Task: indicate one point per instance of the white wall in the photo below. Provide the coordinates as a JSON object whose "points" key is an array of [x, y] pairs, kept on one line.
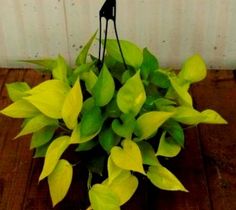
{"points": [[172, 29]]}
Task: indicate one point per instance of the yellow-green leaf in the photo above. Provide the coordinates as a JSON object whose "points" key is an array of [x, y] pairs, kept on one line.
{"points": [[128, 158], [36, 123], [193, 70], [131, 96], [60, 70], [212, 117], [49, 97], [20, 109], [54, 152], [167, 147], [72, 106], [103, 198], [162, 178], [59, 181], [148, 123], [48, 64], [133, 55], [17, 90], [81, 59], [113, 170], [104, 88]]}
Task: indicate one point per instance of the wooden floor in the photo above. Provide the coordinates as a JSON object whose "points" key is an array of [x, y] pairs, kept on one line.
{"points": [[207, 166]]}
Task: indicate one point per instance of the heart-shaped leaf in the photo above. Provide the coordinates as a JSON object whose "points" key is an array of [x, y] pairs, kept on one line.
{"points": [[17, 90], [54, 152], [130, 99], [162, 178], [128, 158], [102, 197], [148, 123], [72, 106], [59, 181]]}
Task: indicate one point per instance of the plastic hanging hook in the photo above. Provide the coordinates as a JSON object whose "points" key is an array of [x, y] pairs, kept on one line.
{"points": [[108, 11]]}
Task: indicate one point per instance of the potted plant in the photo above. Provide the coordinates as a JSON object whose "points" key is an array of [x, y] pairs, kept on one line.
{"points": [[123, 118]]}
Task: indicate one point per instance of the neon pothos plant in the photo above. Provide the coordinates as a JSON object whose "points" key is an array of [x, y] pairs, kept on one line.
{"points": [[132, 116]]}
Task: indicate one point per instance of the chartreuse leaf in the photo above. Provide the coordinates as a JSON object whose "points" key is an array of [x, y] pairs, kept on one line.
{"points": [[183, 94], [212, 117], [17, 90], [72, 106], [102, 197], [60, 70], [20, 109], [48, 64], [150, 63], [131, 96], [126, 129], [167, 147], [128, 158], [162, 103], [113, 170], [162, 178], [193, 70], [104, 88], [54, 152], [59, 181], [49, 97], [42, 137], [82, 57], [188, 116], [36, 123], [108, 139], [148, 123], [148, 154], [132, 54], [175, 130], [124, 186], [91, 122]]}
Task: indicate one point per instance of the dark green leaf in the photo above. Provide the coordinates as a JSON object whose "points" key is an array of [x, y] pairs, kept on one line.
{"points": [[160, 79], [86, 146]]}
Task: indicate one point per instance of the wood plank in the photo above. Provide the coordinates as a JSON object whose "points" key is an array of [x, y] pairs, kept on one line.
{"points": [[15, 157], [189, 169], [219, 141]]}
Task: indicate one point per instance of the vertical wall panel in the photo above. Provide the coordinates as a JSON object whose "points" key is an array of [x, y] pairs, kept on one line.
{"points": [[172, 29]]}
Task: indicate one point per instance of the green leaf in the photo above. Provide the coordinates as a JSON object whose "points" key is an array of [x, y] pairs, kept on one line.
{"points": [[54, 152], [91, 122], [60, 70], [162, 103], [96, 164], [160, 79], [112, 109], [40, 152], [72, 106], [17, 90], [188, 116], [212, 117], [193, 70], [124, 185], [108, 139], [37, 123], [132, 54], [104, 88], [20, 109], [131, 96], [48, 64], [167, 147], [49, 97], [162, 178], [82, 57], [86, 146], [59, 181], [42, 137], [126, 129], [183, 94], [102, 197], [128, 158], [150, 64], [148, 154], [76, 137], [148, 123], [175, 130], [88, 105]]}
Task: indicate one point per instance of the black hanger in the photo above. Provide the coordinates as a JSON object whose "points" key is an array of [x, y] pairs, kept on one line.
{"points": [[108, 11]]}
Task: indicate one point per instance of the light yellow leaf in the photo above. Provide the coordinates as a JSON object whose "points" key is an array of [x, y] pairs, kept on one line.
{"points": [[212, 117]]}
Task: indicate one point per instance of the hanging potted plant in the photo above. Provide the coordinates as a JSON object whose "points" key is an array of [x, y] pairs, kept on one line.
{"points": [[130, 116]]}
